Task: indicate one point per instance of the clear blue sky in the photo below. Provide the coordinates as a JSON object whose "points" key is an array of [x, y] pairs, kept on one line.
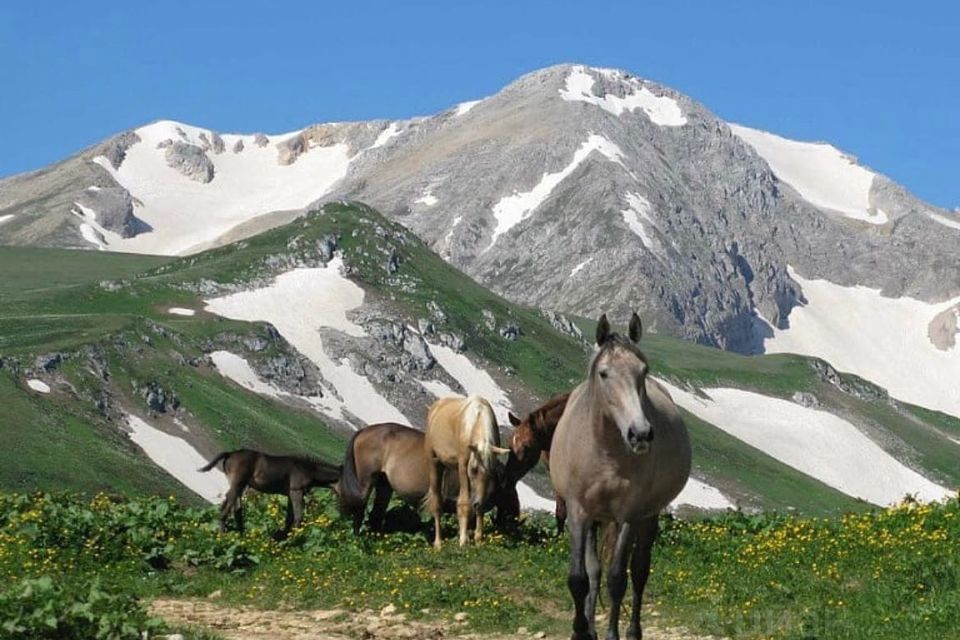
{"points": [[880, 80]]}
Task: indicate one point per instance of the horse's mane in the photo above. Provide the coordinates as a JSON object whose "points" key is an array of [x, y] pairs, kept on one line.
{"points": [[539, 415]]}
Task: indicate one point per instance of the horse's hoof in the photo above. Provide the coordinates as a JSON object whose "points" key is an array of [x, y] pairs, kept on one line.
{"points": [[587, 635]]}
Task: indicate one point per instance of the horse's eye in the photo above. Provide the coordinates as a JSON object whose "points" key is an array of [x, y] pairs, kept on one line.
{"points": [[603, 375]]}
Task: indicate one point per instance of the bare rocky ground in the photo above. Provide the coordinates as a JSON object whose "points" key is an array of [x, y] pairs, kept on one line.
{"points": [[247, 623]]}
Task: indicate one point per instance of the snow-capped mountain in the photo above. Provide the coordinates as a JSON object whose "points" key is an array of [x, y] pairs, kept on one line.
{"points": [[576, 189]]}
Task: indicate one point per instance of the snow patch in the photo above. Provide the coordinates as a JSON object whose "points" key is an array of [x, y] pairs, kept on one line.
{"points": [[186, 215], [473, 379], [635, 215], [822, 174], [533, 501], [178, 458], [437, 388], [427, 199], [465, 107], [884, 340], [386, 135], [301, 302], [812, 441], [945, 221], [701, 495], [6, 218], [38, 385], [580, 266], [93, 236], [180, 311], [232, 366], [662, 110], [513, 209]]}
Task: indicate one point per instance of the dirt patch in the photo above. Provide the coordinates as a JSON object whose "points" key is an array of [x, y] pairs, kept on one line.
{"points": [[247, 623]]}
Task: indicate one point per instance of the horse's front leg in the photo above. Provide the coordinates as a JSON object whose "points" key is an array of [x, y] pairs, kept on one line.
{"points": [[592, 562], [435, 498], [646, 534], [577, 579], [617, 578], [463, 500], [296, 499]]}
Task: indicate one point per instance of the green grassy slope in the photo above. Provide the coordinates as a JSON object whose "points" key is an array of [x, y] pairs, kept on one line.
{"points": [[60, 305]]}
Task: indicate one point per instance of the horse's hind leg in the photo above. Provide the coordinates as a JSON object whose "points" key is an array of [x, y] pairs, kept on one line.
{"points": [[560, 513], [479, 492], [435, 498], [296, 501], [646, 533], [577, 579], [463, 501], [226, 508], [382, 492], [617, 578], [238, 508]]}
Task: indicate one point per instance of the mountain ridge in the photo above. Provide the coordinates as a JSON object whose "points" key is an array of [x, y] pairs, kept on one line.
{"points": [[574, 189]]}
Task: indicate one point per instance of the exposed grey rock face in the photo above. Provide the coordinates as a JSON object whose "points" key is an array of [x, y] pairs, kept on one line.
{"points": [[48, 361], [290, 149], [686, 224], [216, 143], [190, 160], [562, 324], [718, 228], [114, 210], [115, 149], [238, 146], [511, 332]]}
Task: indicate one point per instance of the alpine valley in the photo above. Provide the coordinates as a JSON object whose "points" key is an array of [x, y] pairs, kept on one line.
{"points": [[280, 290]]}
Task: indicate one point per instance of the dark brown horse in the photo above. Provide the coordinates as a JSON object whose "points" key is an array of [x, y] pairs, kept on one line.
{"points": [[620, 454], [292, 476], [390, 458], [531, 440]]}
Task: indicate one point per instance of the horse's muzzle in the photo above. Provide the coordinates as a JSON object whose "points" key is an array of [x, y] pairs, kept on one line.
{"points": [[639, 439]]}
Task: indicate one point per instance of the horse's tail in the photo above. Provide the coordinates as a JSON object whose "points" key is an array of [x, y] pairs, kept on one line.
{"points": [[223, 455], [350, 492], [479, 410]]}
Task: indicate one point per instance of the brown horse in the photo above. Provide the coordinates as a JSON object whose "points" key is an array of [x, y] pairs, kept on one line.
{"points": [[388, 457], [292, 476], [531, 440], [462, 432], [620, 454]]}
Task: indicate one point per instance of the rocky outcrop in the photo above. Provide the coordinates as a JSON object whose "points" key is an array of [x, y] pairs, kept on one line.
{"points": [[216, 143], [115, 149], [190, 160], [238, 145], [113, 207], [944, 327], [260, 140], [290, 149]]}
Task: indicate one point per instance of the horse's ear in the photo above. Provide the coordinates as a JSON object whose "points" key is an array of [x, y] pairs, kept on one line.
{"points": [[514, 420], [603, 330], [636, 327]]}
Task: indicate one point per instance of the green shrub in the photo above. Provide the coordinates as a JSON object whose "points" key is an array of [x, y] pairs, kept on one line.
{"points": [[39, 608]]}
